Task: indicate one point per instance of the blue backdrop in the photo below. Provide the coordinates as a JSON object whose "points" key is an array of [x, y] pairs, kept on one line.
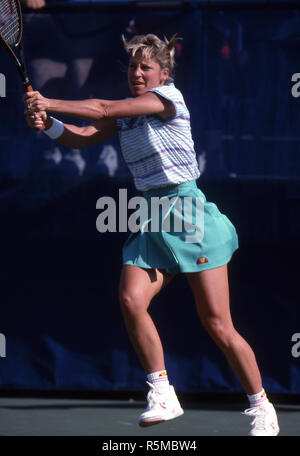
{"points": [[59, 276]]}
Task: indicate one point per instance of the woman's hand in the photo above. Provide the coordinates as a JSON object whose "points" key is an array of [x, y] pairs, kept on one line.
{"points": [[34, 4], [36, 120], [35, 102]]}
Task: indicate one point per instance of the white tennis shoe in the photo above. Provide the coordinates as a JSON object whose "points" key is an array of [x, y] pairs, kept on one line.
{"points": [[161, 407], [264, 421]]}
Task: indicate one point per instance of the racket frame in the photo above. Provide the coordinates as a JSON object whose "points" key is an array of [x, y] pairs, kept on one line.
{"points": [[20, 63]]}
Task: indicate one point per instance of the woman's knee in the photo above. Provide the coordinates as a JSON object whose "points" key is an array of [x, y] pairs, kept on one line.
{"points": [[133, 301], [221, 332]]}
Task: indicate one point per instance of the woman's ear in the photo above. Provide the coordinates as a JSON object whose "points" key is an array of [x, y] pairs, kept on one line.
{"points": [[165, 72]]}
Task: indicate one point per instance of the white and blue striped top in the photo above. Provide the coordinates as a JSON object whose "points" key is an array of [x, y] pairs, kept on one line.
{"points": [[159, 152]]}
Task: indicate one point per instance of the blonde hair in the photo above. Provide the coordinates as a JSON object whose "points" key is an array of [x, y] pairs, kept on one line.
{"points": [[152, 47]]}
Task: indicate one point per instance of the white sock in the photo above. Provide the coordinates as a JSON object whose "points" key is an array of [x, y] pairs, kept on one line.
{"points": [[160, 380], [256, 400]]}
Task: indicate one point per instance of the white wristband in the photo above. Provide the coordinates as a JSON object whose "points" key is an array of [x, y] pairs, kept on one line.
{"points": [[56, 129]]}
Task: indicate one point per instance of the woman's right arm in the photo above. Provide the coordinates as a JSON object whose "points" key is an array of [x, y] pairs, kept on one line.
{"points": [[76, 137]]}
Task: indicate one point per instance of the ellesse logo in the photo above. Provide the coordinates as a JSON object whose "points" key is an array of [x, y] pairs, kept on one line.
{"points": [[202, 260], [163, 374]]}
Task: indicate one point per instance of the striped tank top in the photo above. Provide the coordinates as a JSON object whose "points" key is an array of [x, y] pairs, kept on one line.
{"points": [[159, 152]]}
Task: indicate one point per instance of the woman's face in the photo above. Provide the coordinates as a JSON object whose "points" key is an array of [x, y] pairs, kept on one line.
{"points": [[145, 74]]}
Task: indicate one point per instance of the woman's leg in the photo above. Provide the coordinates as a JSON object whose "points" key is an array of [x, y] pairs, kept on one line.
{"points": [[137, 288], [211, 292]]}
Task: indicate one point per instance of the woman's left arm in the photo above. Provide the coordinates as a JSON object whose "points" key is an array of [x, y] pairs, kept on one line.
{"points": [[95, 109]]}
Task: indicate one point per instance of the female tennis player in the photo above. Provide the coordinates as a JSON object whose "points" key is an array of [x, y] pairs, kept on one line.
{"points": [[155, 137]]}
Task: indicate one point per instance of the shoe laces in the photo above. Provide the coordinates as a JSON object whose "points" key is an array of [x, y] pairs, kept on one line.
{"points": [[153, 396], [259, 415]]}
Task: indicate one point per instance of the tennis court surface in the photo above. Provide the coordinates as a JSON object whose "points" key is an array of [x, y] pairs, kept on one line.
{"points": [[98, 417]]}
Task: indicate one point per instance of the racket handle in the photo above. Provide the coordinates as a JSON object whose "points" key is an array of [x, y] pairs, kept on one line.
{"points": [[28, 88]]}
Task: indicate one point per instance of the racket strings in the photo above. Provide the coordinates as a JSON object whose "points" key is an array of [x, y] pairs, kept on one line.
{"points": [[9, 22]]}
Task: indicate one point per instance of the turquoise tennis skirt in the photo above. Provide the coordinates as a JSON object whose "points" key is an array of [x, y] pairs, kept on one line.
{"points": [[180, 232]]}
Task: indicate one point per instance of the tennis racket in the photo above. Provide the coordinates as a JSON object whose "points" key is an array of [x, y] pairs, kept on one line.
{"points": [[11, 34]]}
